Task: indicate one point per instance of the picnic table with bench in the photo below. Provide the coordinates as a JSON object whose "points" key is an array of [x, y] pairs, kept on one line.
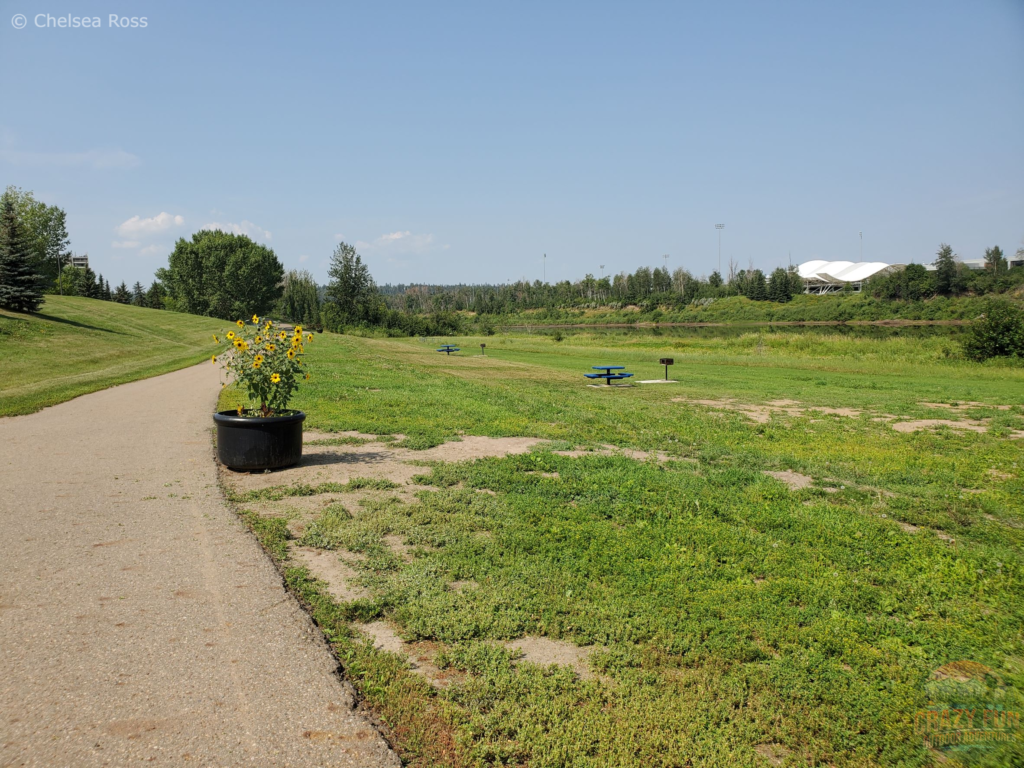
{"points": [[448, 349], [607, 374]]}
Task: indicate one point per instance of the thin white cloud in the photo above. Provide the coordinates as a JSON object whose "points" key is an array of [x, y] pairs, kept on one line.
{"points": [[150, 249], [339, 236], [93, 158], [137, 226], [399, 243], [125, 244], [303, 258], [246, 228]]}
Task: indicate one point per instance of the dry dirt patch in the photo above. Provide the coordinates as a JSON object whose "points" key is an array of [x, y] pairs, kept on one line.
{"points": [[328, 566], [419, 656], [964, 406], [794, 480], [545, 651], [921, 424], [761, 414], [375, 460], [774, 754]]}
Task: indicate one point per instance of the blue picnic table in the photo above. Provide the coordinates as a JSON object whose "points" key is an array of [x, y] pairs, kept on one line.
{"points": [[448, 349], [607, 374]]}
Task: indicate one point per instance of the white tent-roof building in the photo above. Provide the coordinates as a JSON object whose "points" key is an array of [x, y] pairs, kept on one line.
{"points": [[821, 276]]}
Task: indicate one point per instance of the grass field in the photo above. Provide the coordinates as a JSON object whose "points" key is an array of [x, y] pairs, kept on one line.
{"points": [[73, 346], [731, 619]]}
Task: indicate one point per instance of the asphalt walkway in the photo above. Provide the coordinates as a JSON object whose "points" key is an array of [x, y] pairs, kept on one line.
{"points": [[140, 622]]}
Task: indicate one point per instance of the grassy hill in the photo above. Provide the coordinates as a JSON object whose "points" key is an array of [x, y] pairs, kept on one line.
{"points": [[73, 346]]}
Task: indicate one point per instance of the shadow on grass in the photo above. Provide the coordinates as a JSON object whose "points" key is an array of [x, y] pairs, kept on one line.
{"points": [[76, 324]]}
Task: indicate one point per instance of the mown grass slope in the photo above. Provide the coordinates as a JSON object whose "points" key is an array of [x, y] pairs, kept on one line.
{"points": [[734, 621], [73, 346]]}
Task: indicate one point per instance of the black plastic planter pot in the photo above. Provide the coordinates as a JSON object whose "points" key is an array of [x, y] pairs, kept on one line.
{"points": [[256, 443]]}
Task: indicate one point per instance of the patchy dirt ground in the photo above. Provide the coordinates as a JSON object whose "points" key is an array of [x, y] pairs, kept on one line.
{"points": [[762, 413], [340, 458]]}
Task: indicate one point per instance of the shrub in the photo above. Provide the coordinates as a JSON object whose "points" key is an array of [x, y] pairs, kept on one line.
{"points": [[998, 333]]}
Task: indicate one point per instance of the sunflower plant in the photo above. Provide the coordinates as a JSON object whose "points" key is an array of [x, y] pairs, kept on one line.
{"points": [[265, 361]]}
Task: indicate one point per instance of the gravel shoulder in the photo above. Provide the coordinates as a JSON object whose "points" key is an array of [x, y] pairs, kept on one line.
{"points": [[139, 619]]}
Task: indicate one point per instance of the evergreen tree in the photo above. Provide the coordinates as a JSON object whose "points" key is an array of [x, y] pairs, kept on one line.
{"points": [[796, 283], [108, 295], [715, 281], [19, 280], [155, 296], [756, 287], [122, 295], [778, 286], [138, 295], [87, 285]]}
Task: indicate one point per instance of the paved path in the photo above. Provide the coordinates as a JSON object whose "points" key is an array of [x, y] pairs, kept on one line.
{"points": [[139, 620]]}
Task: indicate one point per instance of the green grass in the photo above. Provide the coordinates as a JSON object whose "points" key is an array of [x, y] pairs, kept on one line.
{"points": [[726, 611], [73, 346]]}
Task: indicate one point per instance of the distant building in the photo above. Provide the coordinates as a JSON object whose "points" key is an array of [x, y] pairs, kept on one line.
{"points": [[1018, 262], [82, 262], [821, 276]]}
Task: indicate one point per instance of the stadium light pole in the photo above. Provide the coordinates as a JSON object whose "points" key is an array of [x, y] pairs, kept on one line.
{"points": [[719, 227], [545, 268], [861, 246]]}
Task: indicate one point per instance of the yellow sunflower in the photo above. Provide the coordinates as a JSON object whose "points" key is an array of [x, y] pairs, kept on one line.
{"points": [[309, 337], [295, 341], [238, 343], [275, 378], [282, 335], [255, 364], [213, 359], [240, 324], [298, 330], [259, 339], [307, 377], [215, 339], [239, 410], [271, 347], [291, 353], [255, 319], [231, 335], [258, 359]]}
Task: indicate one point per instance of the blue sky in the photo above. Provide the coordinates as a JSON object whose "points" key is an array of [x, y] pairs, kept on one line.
{"points": [[458, 142]]}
